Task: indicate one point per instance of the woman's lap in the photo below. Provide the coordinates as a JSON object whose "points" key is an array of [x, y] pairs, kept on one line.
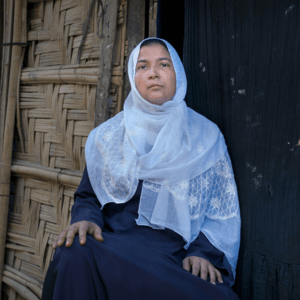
{"points": [[119, 268]]}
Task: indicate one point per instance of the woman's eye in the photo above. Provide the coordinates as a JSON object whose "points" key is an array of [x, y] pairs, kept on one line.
{"points": [[141, 67], [164, 65]]}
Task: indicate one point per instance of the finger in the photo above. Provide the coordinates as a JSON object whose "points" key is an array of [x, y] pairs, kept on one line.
{"points": [[212, 274], [55, 242], [195, 267], [186, 264], [84, 227], [97, 233], [219, 276], [70, 236], [203, 269], [61, 238]]}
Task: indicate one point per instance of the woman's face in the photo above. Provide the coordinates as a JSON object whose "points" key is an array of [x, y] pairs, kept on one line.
{"points": [[155, 77]]}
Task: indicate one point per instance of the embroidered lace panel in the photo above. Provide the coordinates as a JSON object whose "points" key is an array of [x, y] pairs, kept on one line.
{"points": [[213, 192]]}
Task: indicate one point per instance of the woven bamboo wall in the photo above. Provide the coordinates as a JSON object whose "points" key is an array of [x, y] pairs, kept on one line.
{"points": [[56, 112]]}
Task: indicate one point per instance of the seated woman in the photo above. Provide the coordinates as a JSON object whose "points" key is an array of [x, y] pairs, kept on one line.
{"points": [[157, 199]]}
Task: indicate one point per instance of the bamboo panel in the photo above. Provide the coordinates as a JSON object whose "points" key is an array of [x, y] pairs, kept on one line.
{"points": [[56, 112]]}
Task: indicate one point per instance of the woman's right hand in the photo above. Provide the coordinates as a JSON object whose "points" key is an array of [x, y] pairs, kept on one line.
{"points": [[82, 227]]}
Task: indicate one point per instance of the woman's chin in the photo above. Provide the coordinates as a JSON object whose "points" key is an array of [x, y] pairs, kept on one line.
{"points": [[157, 101]]}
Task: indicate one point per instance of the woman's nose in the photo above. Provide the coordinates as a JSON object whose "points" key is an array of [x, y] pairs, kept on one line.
{"points": [[153, 73]]}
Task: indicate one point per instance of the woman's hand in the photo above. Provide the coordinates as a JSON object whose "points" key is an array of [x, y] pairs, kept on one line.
{"points": [[203, 267], [82, 227]]}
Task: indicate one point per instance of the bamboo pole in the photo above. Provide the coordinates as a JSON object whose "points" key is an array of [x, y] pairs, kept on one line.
{"points": [[20, 289], [47, 175], [9, 127], [88, 75], [24, 279], [6, 56], [61, 72], [82, 75], [20, 280]]}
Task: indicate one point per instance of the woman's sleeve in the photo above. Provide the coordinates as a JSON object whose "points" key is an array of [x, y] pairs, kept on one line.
{"points": [[86, 205], [201, 247]]}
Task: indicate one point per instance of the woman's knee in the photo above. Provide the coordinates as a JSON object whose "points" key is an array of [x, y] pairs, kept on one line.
{"points": [[72, 256]]}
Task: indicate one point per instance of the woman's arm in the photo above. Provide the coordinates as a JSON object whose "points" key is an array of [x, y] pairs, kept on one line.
{"points": [[86, 205], [86, 216], [218, 241]]}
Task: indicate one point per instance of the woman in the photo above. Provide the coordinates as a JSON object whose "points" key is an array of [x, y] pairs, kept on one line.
{"points": [[158, 198]]}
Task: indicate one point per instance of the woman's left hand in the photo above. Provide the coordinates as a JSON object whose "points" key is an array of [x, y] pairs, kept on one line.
{"points": [[203, 267]]}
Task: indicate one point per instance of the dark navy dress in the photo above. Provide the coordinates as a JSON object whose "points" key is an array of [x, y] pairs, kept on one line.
{"points": [[134, 262]]}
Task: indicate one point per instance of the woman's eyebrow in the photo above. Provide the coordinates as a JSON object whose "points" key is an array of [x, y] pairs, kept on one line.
{"points": [[165, 58], [161, 58], [141, 60]]}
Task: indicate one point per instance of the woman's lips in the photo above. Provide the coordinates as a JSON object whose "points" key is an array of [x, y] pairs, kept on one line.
{"points": [[154, 86]]}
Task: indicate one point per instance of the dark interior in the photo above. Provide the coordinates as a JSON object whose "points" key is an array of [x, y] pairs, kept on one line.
{"points": [[170, 23], [242, 63]]}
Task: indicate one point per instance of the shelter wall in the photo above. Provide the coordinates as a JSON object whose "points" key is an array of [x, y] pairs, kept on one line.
{"points": [[54, 115]]}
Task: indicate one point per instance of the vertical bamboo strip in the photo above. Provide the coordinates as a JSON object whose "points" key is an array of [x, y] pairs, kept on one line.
{"points": [[9, 127], [18, 115], [85, 30]]}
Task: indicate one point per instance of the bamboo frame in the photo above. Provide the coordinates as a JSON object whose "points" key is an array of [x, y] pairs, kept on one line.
{"points": [[19, 36]]}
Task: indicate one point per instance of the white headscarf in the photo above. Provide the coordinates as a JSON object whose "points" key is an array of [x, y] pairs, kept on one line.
{"points": [[182, 159]]}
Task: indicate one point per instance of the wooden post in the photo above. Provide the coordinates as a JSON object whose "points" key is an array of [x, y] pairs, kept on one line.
{"points": [[135, 34], [152, 18], [5, 167], [109, 26], [1, 28]]}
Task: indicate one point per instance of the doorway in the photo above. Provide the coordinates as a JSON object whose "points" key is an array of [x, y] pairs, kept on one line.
{"points": [[170, 23]]}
